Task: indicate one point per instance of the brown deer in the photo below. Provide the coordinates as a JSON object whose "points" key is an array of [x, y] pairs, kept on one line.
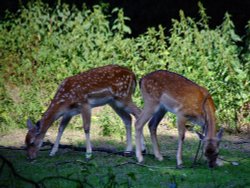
{"points": [[111, 84], [165, 91]]}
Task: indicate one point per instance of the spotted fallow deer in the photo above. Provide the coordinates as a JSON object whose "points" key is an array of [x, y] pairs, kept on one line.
{"points": [[165, 91], [111, 84]]}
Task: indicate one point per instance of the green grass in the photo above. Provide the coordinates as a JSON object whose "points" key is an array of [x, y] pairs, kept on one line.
{"points": [[69, 168]]}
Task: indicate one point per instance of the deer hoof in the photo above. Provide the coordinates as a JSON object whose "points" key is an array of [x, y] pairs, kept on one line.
{"points": [[88, 156], [140, 159], [180, 166], [159, 157], [52, 154], [128, 153]]}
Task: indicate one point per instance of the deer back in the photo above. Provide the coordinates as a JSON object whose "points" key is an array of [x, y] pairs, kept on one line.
{"points": [[111, 80], [176, 92]]}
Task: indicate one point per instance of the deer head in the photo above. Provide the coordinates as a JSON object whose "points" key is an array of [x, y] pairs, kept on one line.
{"points": [[211, 146], [33, 140]]}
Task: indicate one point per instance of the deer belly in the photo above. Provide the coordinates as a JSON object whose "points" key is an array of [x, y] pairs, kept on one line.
{"points": [[199, 120], [94, 102]]}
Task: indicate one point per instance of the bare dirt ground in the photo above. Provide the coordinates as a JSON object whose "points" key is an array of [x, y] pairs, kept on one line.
{"points": [[75, 137]]}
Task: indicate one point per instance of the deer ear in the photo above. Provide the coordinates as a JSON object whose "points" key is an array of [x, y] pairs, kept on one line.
{"points": [[201, 136], [220, 133], [29, 124]]}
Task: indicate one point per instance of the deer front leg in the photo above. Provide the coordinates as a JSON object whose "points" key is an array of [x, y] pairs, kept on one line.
{"points": [[181, 121], [62, 126], [86, 117], [140, 122]]}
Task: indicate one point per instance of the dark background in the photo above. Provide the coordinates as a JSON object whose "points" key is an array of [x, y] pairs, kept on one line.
{"points": [[148, 13]]}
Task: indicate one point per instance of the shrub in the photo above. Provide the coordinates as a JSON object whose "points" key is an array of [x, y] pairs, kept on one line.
{"points": [[210, 57], [40, 46]]}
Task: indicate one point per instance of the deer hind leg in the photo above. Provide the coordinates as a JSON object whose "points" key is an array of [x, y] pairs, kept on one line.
{"points": [[146, 114], [181, 121], [131, 108], [86, 117], [153, 124], [126, 118], [63, 124]]}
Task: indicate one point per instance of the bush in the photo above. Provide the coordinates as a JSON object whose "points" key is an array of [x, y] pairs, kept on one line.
{"points": [[40, 46], [211, 58]]}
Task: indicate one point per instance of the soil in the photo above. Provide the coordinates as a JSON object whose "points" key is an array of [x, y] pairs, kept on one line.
{"points": [[16, 138]]}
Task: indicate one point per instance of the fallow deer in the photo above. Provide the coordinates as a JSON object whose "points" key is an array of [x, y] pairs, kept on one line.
{"points": [[111, 84], [165, 91]]}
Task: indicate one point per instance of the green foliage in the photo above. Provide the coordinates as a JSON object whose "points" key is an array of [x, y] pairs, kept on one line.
{"points": [[210, 57], [111, 124], [40, 46]]}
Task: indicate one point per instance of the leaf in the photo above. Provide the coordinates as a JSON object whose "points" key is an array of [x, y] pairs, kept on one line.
{"points": [[227, 78], [127, 29], [234, 163], [132, 175], [115, 10]]}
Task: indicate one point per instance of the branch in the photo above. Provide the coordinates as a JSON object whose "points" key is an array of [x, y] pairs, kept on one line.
{"points": [[242, 142], [99, 149], [64, 178]]}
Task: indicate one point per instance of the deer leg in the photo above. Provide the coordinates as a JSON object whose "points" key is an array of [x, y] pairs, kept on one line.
{"points": [[153, 124], [126, 118], [62, 126], [135, 111], [140, 122], [181, 121], [86, 117], [131, 108]]}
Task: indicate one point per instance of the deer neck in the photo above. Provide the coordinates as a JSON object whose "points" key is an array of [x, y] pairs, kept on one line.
{"points": [[210, 129], [48, 118]]}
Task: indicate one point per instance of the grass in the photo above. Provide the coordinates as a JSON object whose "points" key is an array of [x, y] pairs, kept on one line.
{"points": [[69, 168]]}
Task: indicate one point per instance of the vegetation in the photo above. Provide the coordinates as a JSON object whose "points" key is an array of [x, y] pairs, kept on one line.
{"points": [[70, 169], [40, 46], [212, 58]]}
